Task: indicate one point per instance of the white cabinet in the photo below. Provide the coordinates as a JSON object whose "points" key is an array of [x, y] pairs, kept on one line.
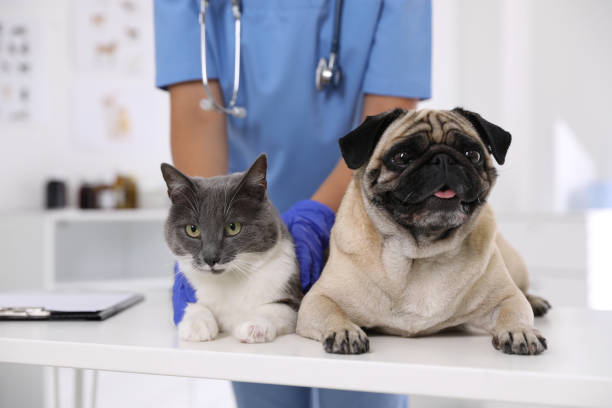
{"points": [[84, 248], [63, 249]]}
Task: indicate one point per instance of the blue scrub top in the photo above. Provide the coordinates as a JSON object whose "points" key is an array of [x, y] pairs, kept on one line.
{"points": [[385, 49]]}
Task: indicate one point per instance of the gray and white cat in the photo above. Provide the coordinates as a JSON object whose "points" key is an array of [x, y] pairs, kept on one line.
{"points": [[234, 249]]}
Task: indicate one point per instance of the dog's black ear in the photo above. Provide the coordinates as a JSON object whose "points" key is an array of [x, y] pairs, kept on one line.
{"points": [[495, 138], [358, 145]]}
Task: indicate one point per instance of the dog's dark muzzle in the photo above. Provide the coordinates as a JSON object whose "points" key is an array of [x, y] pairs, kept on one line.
{"points": [[441, 172]]}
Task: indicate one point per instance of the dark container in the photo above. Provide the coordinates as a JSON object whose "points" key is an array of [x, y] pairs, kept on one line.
{"points": [[87, 197], [55, 194]]}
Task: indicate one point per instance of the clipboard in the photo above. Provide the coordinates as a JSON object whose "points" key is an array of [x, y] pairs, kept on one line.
{"points": [[64, 305]]}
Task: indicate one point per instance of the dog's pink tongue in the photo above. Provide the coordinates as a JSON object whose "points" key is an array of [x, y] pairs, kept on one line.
{"points": [[444, 193]]}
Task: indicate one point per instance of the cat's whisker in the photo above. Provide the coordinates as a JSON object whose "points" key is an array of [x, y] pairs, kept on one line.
{"points": [[187, 194], [241, 268], [246, 269], [225, 206]]}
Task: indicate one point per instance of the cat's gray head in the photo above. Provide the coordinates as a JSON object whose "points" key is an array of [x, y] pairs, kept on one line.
{"points": [[213, 220]]}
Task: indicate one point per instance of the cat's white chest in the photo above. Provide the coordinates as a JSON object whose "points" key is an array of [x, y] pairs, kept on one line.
{"points": [[232, 299], [236, 294]]}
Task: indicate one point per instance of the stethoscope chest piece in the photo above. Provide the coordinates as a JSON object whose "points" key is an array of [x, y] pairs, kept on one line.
{"points": [[327, 74]]}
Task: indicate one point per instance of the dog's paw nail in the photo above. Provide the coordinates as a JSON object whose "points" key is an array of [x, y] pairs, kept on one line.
{"points": [[347, 341], [543, 342], [328, 343], [495, 342]]}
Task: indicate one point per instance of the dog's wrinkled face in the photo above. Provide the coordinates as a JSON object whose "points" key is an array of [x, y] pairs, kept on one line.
{"points": [[430, 170]]}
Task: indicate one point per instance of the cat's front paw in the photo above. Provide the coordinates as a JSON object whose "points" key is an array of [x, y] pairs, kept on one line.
{"points": [[198, 324], [255, 331]]}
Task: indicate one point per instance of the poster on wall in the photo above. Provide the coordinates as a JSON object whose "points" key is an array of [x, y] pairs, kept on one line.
{"points": [[113, 85], [21, 67], [111, 36], [110, 115]]}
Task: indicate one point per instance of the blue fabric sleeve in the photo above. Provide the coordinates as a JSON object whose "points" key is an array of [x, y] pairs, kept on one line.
{"points": [[177, 43], [400, 58], [182, 294]]}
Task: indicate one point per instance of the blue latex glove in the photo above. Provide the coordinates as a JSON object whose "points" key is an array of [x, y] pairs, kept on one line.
{"points": [[310, 223], [182, 293]]}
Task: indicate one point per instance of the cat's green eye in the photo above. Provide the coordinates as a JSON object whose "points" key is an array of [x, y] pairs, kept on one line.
{"points": [[193, 231], [232, 228]]}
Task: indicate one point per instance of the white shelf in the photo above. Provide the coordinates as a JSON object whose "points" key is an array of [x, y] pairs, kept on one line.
{"points": [[72, 245], [135, 215], [575, 370]]}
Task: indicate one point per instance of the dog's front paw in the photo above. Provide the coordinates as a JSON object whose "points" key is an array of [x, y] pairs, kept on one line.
{"points": [[350, 340], [198, 324], [525, 341], [255, 331]]}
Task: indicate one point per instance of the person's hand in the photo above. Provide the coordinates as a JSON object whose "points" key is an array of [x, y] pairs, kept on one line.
{"points": [[309, 223], [182, 294]]}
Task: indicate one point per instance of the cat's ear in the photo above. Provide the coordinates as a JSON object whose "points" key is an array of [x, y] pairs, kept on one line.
{"points": [[176, 181], [254, 182]]}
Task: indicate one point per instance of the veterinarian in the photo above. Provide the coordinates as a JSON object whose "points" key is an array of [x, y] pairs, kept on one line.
{"points": [[287, 78]]}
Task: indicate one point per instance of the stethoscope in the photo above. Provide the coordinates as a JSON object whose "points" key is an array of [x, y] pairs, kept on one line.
{"points": [[328, 72]]}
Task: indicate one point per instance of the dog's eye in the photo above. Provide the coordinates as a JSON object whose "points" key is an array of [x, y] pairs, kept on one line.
{"points": [[473, 155], [401, 159]]}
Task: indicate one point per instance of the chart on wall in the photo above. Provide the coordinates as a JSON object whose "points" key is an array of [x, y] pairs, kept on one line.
{"points": [[20, 71], [113, 82], [111, 115], [111, 35]]}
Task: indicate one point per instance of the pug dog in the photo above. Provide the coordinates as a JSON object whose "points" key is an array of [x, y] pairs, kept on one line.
{"points": [[415, 248]]}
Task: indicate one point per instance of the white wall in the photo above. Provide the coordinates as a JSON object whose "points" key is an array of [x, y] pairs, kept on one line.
{"points": [[31, 152], [522, 64]]}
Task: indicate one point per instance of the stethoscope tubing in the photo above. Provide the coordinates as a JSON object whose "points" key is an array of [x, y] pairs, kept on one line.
{"points": [[209, 103], [335, 45]]}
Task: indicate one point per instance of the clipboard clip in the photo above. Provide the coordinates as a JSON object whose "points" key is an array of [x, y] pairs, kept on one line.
{"points": [[24, 312]]}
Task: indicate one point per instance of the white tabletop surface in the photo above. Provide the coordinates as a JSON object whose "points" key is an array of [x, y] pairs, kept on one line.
{"points": [[576, 369]]}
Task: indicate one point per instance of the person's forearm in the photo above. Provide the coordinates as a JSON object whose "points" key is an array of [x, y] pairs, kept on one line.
{"points": [[198, 138], [331, 191], [375, 104]]}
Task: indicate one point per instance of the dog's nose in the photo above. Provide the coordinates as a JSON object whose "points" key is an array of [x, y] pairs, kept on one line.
{"points": [[442, 159]]}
